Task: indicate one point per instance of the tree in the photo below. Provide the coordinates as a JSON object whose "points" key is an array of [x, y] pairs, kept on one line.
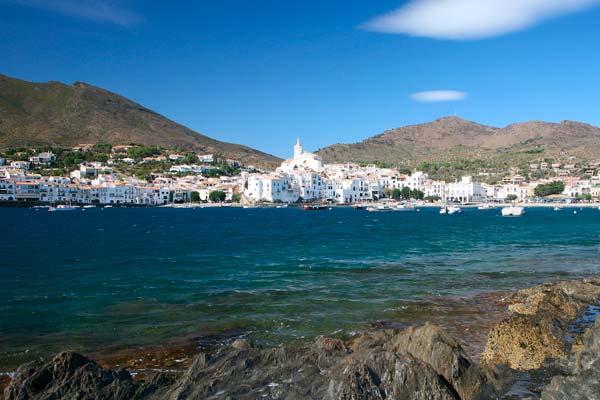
{"points": [[405, 192], [195, 197], [387, 192], [417, 194], [585, 197], [511, 197], [548, 189], [432, 199], [236, 197], [216, 196], [396, 194]]}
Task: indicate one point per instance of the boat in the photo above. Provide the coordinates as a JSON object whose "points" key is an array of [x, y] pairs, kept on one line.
{"points": [[282, 206], [485, 207], [450, 210], [513, 211], [405, 207], [558, 208], [381, 208], [108, 206], [62, 207], [360, 206], [89, 206], [314, 207]]}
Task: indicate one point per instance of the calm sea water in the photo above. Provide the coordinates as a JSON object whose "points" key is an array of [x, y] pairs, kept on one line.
{"points": [[108, 279]]}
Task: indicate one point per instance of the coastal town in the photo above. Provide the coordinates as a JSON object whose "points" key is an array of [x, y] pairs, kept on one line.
{"points": [[206, 178]]}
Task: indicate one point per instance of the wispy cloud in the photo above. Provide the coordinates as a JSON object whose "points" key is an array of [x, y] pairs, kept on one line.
{"points": [[95, 10], [471, 19], [434, 96]]}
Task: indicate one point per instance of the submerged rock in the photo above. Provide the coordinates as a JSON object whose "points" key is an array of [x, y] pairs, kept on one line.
{"points": [[537, 328]]}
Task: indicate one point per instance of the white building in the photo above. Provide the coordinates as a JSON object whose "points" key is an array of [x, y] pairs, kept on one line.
{"points": [[416, 181], [465, 191], [206, 158], [302, 161], [271, 188], [434, 189], [24, 165], [310, 185], [351, 190]]}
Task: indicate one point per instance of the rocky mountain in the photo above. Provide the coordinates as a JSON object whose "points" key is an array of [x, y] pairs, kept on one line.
{"points": [[452, 138], [34, 114]]}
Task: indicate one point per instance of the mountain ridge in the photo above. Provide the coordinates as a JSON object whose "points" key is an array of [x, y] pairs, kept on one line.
{"points": [[54, 113], [452, 138]]}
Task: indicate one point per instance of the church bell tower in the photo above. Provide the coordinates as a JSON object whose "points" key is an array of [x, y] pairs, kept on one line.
{"points": [[298, 149]]}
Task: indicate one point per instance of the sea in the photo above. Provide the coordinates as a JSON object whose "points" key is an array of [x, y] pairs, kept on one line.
{"points": [[110, 279]]}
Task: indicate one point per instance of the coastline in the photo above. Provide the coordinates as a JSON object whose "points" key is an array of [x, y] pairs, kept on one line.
{"points": [[563, 313]]}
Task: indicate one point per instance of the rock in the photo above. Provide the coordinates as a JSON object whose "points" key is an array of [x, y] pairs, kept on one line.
{"points": [[69, 375], [415, 364], [538, 325], [583, 380], [523, 342], [389, 375], [433, 346], [385, 364]]}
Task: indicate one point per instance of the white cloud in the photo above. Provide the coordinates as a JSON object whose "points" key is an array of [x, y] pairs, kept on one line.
{"points": [[434, 96], [96, 10], [471, 19]]}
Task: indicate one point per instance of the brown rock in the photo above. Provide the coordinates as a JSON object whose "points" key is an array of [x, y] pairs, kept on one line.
{"points": [[538, 325]]}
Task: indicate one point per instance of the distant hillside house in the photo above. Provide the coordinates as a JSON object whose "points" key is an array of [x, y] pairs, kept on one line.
{"points": [[122, 148], [206, 158], [45, 157], [83, 147], [302, 160]]}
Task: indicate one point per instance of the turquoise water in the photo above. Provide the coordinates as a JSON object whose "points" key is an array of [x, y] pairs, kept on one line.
{"points": [[108, 279]]}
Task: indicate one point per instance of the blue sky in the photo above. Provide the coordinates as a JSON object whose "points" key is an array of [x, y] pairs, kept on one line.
{"points": [[264, 72]]}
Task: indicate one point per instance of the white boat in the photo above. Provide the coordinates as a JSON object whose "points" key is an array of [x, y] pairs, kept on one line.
{"points": [[454, 210], [380, 208], [62, 207], [485, 207], [558, 208], [109, 206], [405, 207], [512, 211], [282, 206], [390, 207], [450, 210], [89, 206]]}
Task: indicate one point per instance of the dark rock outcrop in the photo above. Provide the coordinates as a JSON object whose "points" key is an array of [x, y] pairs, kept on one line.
{"points": [[583, 379], [419, 363], [70, 376]]}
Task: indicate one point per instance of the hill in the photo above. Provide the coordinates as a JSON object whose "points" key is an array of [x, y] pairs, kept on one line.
{"points": [[455, 140], [52, 113]]}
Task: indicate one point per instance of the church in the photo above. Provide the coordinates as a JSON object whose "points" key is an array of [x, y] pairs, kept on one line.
{"points": [[302, 161]]}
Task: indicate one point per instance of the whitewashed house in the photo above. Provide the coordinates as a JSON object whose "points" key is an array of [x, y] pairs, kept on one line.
{"points": [[465, 191]]}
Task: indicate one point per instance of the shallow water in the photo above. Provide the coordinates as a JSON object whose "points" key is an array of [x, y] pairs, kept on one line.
{"points": [[113, 278]]}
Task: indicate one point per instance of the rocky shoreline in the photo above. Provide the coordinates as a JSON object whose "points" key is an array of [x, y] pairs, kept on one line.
{"points": [[547, 347]]}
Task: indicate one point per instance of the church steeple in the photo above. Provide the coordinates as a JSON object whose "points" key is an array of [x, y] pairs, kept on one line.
{"points": [[298, 149]]}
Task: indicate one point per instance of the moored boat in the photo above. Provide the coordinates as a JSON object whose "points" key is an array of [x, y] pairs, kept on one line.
{"points": [[314, 207], [62, 207], [513, 211], [450, 210]]}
